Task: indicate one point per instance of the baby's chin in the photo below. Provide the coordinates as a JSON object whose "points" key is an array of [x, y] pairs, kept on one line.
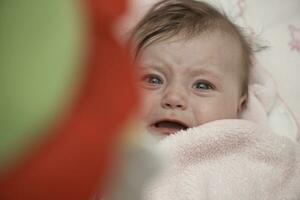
{"points": [[156, 136]]}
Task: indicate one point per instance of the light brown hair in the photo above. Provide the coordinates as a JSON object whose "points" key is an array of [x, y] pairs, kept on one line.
{"points": [[168, 18]]}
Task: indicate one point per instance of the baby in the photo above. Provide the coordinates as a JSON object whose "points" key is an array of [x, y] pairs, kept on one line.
{"points": [[194, 66]]}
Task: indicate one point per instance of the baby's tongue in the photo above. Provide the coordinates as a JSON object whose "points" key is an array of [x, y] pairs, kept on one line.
{"points": [[169, 127]]}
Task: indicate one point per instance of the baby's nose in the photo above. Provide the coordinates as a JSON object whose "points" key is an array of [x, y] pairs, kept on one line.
{"points": [[174, 100]]}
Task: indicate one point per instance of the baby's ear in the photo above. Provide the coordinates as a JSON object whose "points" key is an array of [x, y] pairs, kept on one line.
{"points": [[242, 103]]}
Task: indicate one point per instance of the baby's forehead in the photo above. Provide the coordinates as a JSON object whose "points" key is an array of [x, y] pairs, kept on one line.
{"points": [[206, 52], [216, 36], [209, 45]]}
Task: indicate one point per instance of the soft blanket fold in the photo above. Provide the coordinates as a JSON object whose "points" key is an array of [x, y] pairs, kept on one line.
{"points": [[228, 160]]}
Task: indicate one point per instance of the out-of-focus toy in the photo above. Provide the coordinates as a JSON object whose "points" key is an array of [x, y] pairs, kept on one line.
{"points": [[67, 91]]}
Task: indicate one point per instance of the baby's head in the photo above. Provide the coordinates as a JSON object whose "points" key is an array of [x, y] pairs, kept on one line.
{"points": [[194, 66]]}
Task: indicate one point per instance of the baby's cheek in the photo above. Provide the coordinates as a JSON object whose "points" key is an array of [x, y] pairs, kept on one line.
{"points": [[204, 115], [149, 102], [211, 111]]}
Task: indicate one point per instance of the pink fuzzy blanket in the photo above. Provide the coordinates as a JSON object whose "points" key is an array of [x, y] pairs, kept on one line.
{"points": [[227, 160]]}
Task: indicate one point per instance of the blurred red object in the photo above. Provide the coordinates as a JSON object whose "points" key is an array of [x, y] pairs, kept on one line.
{"points": [[72, 162]]}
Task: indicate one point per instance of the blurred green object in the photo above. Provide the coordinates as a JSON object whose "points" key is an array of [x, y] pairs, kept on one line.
{"points": [[40, 50]]}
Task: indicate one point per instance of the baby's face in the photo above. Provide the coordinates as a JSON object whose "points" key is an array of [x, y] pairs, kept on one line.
{"points": [[190, 82]]}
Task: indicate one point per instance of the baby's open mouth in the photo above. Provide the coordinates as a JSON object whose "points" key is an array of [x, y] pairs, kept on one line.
{"points": [[169, 126]]}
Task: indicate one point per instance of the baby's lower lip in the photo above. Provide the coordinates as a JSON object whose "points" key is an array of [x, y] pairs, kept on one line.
{"points": [[163, 130]]}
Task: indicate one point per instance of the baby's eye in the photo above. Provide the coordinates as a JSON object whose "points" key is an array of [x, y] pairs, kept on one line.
{"points": [[152, 79], [203, 85]]}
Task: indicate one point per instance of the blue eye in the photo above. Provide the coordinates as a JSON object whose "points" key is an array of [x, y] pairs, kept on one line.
{"points": [[152, 79], [203, 85]]}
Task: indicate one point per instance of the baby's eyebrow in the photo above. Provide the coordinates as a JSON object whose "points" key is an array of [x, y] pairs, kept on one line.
{"points": [[157, 67], [212, 73]]}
